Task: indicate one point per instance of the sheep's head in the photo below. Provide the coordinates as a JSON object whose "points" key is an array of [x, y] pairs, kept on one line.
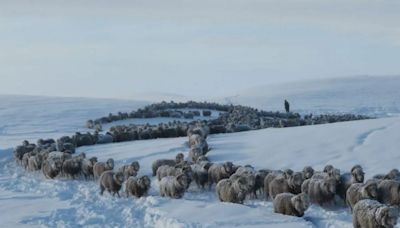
{"points": [[387, 216], [144, 182], [182, 180], [308, 172], [296, 180], [287, 173], [110, 163], [335, 173], [301, 202], [179, 158], [202, 158], [370, 190], [327, 168], [393, 174], [357, 174], [135, 165], [241, 184], [93, 160], [228, 167], [82, 155], [118, 178]]}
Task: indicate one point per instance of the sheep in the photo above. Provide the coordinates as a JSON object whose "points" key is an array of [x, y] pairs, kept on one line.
{"points": [[19, 151], [112, 182], [173, 187], [137, 186], [59, 156], [166, 170], [290, 204], [347, 179], [322, 191], [232, 191], [25, 160], [104, 139], [200, 173], [195, 153], [389, 192], [371, 214], [179, 158], [308, 172], [51, 168], [218, 172], [101, 167], [394, 174], [73, 167], [288, 184], [35, 162], [87, 167], [359, 191], [130, 170], [271, 176], [260, 177]]}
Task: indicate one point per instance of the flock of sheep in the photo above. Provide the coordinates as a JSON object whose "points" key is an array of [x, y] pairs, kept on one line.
{"points": [[373, 202]]}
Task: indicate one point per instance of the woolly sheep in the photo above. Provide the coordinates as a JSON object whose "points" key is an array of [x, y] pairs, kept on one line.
{"points": [[347, 179], [104, 139], [111, 182], [283, 183], [218, 172], [173, 187], [101, 167], [260, 177], [72, 167], [371, 214], [179, 158], [233, 191], [290, 204], [200, 173], [359, 191], [389, 192], [130, 170], [322, 191], [272, 175], [51, 168], [35, 162], [138, 187], [87, 167]]}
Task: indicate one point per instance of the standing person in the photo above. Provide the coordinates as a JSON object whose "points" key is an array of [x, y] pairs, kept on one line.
{"points": [[287, 106]]}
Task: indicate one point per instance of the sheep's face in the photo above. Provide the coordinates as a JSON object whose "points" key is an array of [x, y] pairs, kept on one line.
{"points": [[110, 163], [370, 191], [393, 174], [145, 182], [358, 175], [182, 180], [119, 178], [328, 168], [136, 166], [335, 173], [287, 173], [308, 172], [301, 202], [296, 179], [179, 158], [93, 160], [228, 167]]}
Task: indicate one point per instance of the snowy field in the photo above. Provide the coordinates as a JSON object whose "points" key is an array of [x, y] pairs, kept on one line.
{"points": [[27, 199]]}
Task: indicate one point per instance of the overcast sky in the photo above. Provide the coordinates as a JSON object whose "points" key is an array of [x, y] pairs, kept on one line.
{"points": [[201, 48]]}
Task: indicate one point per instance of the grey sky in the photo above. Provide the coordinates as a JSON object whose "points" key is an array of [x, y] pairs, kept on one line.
{"points": [[196, 48]]}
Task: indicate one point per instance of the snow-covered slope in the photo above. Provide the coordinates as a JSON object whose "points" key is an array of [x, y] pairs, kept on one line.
{"points": [[28, 199], [377, 96]]}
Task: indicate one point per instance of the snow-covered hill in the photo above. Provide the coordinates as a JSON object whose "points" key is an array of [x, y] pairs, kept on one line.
{"points": [[28, 199], [376, 96]]}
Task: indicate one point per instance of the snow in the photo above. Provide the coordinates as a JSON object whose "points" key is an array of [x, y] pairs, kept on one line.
{"points": [[28, 199]]}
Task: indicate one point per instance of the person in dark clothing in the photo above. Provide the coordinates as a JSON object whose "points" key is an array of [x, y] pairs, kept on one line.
{"points": [[287, 106]]}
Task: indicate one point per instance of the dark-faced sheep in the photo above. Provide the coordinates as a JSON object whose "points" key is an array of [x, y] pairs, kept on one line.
{"points": [[358, 191], [283, 183], [173, 187], [73, 167], [137, 187], [130, 170], [111, 182], [179, 158], [372, 214], [347, 179], [87, 167], [200, 173], [101, 167], [260, 177], [290, 204], [217, 172], [308, 172], [389, 192], [232, 191], [322, 191]]}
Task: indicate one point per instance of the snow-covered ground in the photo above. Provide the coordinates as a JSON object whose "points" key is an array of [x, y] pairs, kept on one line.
{"points": [[27, 199]]}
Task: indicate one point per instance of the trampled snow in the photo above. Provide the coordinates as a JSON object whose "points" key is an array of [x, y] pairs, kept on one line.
{"points": [[28, 199]]}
